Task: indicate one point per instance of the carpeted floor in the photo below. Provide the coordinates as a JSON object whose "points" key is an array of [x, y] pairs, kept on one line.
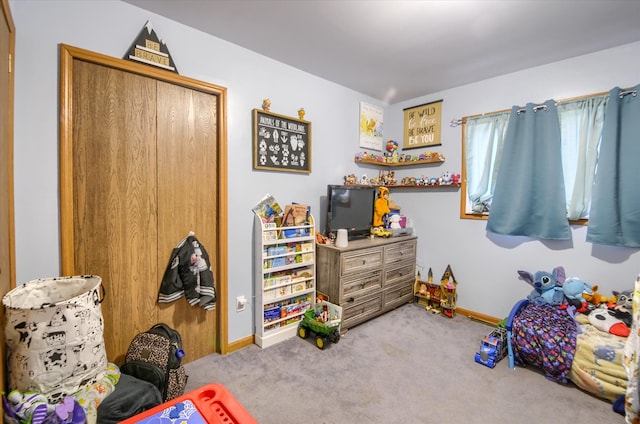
{"points": [[407, 366]]}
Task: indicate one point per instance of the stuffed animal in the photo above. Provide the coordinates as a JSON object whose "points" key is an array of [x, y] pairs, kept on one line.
{"points": [[547, 286], [604, 319], [624, 305], [29, 407], [573, 289], [596, 298], [394, 221]]}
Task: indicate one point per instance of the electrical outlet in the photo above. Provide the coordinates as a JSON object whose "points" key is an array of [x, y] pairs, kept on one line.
{"points": [[241, 302]]}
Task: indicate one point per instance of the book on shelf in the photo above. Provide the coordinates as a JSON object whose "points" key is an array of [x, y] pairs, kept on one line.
{"points": [[295, 214], [267, 208]]}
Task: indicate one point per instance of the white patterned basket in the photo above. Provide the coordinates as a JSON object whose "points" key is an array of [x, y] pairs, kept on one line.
{"points": [[54, 335]]}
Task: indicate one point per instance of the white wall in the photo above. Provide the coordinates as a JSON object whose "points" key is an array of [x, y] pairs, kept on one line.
{"points": [[484, 266], [109, 27]]}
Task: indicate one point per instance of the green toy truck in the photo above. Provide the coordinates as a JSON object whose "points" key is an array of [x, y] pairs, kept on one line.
{"points": [[323, 321]]}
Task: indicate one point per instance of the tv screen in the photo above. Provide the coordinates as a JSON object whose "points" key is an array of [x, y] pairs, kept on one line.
{"points": [[350, 207]]}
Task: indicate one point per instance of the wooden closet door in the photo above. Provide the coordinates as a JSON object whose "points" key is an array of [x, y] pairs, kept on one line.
{"points": [[142, 163], [115, 195], [187, 193]]}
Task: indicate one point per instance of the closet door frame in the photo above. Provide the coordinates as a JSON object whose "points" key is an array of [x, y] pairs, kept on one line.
{"points": [[69, 54]]}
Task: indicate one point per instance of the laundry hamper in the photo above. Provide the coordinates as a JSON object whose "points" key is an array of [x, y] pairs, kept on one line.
{"points": [[54, 335]]}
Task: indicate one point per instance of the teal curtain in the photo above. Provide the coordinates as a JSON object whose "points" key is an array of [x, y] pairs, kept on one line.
{"points": [[581, 123], [529, 196], [615, 206], [484, 139]]}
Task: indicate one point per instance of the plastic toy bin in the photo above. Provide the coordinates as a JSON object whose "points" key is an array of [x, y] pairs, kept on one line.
{"points": [[210, 404]]}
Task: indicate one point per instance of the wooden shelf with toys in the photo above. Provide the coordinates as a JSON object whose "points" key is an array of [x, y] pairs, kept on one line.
{"points": [[399, 160]]}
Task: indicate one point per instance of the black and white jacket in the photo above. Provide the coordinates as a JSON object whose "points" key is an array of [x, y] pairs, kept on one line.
{"points": [[189, 274]]}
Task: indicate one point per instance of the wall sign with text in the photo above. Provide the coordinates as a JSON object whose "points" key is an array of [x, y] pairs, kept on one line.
{"points": [[281, 143], [422, 125]]}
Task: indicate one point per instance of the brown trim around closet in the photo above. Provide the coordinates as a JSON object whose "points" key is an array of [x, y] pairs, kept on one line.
{"points": [[68, 56]]}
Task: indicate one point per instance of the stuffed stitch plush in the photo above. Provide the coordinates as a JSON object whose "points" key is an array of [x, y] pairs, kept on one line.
{"points": [[547, 286]]}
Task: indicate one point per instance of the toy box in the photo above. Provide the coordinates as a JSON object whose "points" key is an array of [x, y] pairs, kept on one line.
{"points": [[210, 404], [492, 348]]}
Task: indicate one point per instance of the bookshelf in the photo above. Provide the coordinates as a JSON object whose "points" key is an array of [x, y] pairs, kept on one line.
{"points": [[284, 278]]}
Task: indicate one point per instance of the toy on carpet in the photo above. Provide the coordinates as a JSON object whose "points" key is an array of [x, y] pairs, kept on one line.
{"points": [[547, 286], [33, 408]]}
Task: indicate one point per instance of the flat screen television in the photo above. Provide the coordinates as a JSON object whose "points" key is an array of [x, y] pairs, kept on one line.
{"points": [[350, 207]]}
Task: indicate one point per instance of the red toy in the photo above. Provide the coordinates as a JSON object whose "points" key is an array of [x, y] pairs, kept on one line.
{"points": [[210, 404]]}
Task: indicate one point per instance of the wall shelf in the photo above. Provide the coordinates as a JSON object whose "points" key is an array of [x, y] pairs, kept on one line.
{"points": [[399, 164], [416, 187]]}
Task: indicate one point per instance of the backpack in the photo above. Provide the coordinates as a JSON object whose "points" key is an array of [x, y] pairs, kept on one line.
{"points": [[156, 356]]}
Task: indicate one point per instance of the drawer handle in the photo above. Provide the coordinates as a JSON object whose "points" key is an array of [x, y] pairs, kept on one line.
{"points": [[364, 262], [363, 285], [350, 300]]}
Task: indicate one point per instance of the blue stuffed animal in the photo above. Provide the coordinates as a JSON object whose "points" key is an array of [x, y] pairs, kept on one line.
{"points": [[573, 288], [547, 286]]}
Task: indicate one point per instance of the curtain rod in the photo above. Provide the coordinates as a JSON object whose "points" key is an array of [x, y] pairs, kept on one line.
{"points": [[460, 121]]}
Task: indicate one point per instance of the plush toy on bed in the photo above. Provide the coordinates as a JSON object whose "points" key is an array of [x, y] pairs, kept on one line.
{"points": [[547, 286], [623, 307], [573, 289], [604, 319]]}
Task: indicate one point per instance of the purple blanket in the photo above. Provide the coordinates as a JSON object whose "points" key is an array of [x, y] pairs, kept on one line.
{"points": [[545, 336]]}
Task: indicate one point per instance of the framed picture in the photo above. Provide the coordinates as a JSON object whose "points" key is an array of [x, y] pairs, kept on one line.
{"points": [[371, 126], [281, 143], [422, 125]]}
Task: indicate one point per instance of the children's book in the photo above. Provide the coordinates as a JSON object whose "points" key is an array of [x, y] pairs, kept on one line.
{"points": [[267, 208], [295, 214]]}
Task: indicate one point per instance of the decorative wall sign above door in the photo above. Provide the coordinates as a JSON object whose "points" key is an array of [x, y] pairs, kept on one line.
{"points": [[147, 48]]}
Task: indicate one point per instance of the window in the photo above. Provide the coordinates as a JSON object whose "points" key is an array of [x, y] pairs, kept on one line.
{"points": [[581, 122]]}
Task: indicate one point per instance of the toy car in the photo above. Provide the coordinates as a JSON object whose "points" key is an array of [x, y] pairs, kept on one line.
{"points": [[323, 322], [492, 348], [381, 232]]}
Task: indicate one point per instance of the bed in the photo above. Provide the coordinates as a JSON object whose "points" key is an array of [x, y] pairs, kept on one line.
{"points": [[566, 347]]}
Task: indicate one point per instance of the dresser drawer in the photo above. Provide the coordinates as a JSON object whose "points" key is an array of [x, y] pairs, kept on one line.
{"points": [[398, 295], [399, 252], [361, 309], [400, 274], [360, 285], [360, 260]]}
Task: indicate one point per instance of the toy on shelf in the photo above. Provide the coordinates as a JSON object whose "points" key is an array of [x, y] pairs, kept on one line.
{"points": [[381, 207], [448, 286], [492, 348]]}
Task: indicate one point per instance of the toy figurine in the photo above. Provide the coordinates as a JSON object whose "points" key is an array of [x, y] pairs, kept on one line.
{"points": [[301, 113], [381, 207], [266, 105]]}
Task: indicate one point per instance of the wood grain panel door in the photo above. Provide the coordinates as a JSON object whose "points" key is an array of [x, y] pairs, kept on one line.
{"points": [[143, 163], [7, 245], [115, 194], [187, 192]]}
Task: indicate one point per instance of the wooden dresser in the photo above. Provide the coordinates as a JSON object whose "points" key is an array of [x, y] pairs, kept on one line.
{"points": [[368, 277]]}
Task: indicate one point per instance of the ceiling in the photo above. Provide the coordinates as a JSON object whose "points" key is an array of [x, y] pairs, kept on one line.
{"points": [[398, 50]]}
